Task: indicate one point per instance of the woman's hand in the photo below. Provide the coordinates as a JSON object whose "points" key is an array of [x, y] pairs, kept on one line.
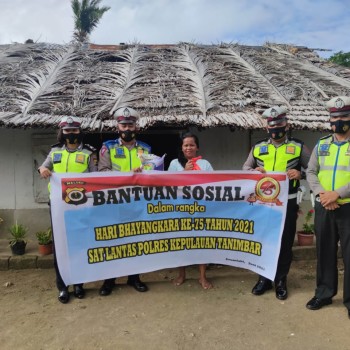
{"points": [[137, 170], [189, 165], [44, 172]]}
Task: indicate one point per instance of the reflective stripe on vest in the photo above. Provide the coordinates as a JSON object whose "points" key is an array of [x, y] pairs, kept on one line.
{"points": [[123, 159], [282, 158], [334, 161]]}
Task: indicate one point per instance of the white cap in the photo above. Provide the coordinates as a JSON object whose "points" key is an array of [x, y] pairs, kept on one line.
{"points": [[275, 115], [339, 106], [70, 123], [126, 115]]}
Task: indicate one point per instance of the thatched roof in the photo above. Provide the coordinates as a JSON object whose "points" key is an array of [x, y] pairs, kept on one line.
{"points": [[171, 85]]}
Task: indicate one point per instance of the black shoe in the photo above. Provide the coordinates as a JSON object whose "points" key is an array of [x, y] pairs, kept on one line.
{"points": [[281, 290], [63, 296], [106, 288], [138, 285], [261, 287], [316, 304], [79, 291]]}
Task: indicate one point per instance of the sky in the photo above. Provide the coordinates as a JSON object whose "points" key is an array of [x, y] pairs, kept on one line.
{"points": [[317, 24]]}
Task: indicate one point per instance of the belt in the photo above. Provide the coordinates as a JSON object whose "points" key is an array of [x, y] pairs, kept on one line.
{"points": [[292, 196]]}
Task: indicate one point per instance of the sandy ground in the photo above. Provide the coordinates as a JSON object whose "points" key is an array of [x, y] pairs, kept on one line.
{"points": [[169, 317]]}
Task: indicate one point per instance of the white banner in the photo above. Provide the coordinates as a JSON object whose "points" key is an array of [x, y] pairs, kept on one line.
{"points": [[114, 224]]}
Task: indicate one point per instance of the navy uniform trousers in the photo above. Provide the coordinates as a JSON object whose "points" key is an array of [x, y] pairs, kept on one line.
{"points": [[332, 226], [288, 236]]}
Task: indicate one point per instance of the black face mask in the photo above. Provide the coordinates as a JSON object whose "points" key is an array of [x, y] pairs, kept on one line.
{"points": [[127, 135], [73, 138], [341, 126], [277, 133]]}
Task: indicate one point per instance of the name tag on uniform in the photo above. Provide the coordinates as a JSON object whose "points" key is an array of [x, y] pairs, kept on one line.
{"points": [[290, 150], [324, 149], [119, 152], [57, 157], [80, 158], [263, 150]]}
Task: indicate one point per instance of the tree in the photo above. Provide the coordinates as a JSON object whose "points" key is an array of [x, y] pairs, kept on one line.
{"points": [[87, 14], [342, 58]]}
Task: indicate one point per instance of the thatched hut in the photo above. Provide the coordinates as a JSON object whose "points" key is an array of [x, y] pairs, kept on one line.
{"points": [[218, 90]]}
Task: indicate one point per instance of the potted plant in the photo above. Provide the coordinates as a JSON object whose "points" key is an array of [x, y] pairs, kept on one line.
{"points": [[306, 236], [17, 240], [45, 241]]}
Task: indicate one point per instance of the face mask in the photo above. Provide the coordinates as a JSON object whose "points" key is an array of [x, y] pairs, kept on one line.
{"points": [[277, 133], [127, 135], [341, 126], [73, 138]]}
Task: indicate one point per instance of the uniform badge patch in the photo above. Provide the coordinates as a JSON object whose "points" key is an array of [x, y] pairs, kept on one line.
{"points": [[57, 157], [120, 152], [80, 158], [290, 149], [263, 150], [324, 149]]}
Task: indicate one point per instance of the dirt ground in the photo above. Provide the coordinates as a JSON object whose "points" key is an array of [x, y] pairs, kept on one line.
{"points": [[169, 317]]}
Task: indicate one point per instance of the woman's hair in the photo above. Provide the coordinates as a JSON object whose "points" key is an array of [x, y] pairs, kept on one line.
{"points": [[182, 159]]}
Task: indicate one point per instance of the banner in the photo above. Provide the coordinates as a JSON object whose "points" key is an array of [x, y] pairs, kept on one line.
{"points": [[114, 224]]}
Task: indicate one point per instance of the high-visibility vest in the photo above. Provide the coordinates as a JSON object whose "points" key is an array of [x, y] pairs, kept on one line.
{"points": [[123, 159], [334, 161], [70, 162], [282, 158]]}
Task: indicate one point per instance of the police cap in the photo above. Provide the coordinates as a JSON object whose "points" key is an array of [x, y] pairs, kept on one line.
{"points": [[126, 115], [339, 106], [70, 123], [275, 115]]}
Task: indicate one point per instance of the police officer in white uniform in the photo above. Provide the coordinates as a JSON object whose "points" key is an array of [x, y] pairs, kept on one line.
{"points": [[69, 155], [328, 175], [280, 153]]}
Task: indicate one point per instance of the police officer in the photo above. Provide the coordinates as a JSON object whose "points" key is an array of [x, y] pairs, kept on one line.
{"points": [[69, 155], [280, 153], [122, 155], [329, 177]]}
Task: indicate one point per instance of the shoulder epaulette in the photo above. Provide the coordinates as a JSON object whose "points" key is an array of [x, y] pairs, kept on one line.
{"points": [[89, 147], [326, 137], [144, 145], [296, 140], [110, 143], [59, 144], [262, 141]]}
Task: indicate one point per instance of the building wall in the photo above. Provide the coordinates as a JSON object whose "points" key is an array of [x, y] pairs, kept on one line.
{"points": [[224, 149]]}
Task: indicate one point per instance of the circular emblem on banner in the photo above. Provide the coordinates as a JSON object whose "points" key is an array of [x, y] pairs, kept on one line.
{"points": [[267, 189], [339, 103], [75, 196]]}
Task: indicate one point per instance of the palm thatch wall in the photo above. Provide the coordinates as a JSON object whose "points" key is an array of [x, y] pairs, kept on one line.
{"points": [[171, 85]]}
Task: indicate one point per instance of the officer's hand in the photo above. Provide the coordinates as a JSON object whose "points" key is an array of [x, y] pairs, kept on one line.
{"points": [[261, 169], [294, 174], [137, 170], [189, 165], [45, 172], [328, 197], [332, 206]]}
